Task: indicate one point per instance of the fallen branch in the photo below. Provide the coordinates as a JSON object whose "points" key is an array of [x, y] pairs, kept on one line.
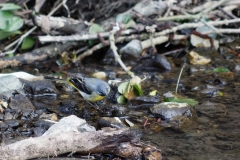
{"points": [[110, 141], [39, 54], [195, 25], [78, 37], [119, 39]]}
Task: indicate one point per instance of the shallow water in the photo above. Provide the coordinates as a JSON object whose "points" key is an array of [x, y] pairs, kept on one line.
{"points": [[205, 137], [215, 137]]}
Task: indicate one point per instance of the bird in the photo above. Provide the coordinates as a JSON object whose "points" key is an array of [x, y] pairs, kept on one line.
{"points": [[91, 89]]}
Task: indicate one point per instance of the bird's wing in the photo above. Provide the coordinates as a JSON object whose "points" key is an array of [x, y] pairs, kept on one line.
{"points": [[80, 85]]}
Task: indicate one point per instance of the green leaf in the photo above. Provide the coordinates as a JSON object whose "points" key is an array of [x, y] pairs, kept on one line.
{"points": [[121, 100], [9, 6], [218, 70], [130, 24], [123, 18], [9, 22], [4, 34], [138, 89], [95, 28], [123, 87], [14, 24], [4, 16], [28, 43], [189, 101]]}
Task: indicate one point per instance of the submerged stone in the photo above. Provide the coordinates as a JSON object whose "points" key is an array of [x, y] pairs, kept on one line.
{"points": [[171, 110], [39, 87], [211, 109], [21, 104], [176, 115]]}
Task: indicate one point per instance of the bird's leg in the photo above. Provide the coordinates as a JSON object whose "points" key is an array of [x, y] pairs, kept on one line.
{"points": [[94, 105]]}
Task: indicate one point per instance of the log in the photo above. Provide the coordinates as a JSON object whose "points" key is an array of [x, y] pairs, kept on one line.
{"points": [[112, 141]]}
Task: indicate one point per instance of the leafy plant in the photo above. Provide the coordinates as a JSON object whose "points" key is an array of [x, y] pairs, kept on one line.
{"points": [[9, 23], [129, 90], [27, 43], [94, 28]]}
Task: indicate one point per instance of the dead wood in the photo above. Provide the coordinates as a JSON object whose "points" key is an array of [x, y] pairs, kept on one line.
{"points": [[39, 54], [66, 25], [119, 142]]}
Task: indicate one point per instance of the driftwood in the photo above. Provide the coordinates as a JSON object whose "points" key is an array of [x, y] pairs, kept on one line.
{"points": [[119, 142], [39, 54]]}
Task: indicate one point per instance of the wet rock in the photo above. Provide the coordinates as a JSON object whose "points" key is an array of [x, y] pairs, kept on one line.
{"points": [[169, 110], [20, 103], [41, 126], [219, 81], [237, 68], [176, 115], [8, 115], [133, 48], [25, 131], [1, 117], [157, 63], [119, 110], [199, 68], [39, 131], [114, 122], [10, 84], [70, 123], [143, 102], [211, 109], [68, 107], [13, 123], [211, 91], [46, 102], [135, 113], [39, 87]]}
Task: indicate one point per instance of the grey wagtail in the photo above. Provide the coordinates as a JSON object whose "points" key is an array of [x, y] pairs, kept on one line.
{"points": [[91, 89]]}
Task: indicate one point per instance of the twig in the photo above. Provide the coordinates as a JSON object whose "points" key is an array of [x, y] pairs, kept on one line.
{"points": [[227, 13], [214, 6], [78, 37], [226, 30], [179, 17], [210, 26], [170, 5], [195, 25], [179, 77], [114, 49]]}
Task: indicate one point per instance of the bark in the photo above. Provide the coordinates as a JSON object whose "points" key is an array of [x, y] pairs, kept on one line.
{"points": [[40, 54], [119, 142]]}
